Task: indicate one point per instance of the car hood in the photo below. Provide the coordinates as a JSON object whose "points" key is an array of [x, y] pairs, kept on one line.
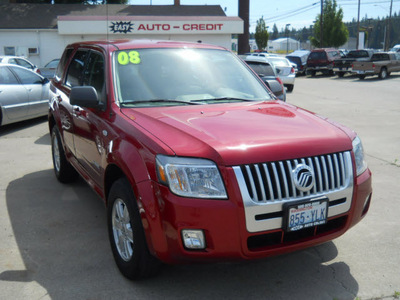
{"points": [[233, 134]]}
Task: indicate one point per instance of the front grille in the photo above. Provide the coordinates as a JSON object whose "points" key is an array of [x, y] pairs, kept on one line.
{"points": [[273, 181], [266, 187]]}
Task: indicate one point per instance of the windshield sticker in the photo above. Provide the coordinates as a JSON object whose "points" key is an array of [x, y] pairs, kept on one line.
{"points": [[132, 57]]}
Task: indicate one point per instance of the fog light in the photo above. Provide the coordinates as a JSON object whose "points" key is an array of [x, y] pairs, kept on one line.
{"points": [[193, 239], [366, 205]]}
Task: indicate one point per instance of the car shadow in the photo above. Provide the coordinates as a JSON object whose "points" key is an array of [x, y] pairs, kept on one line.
{"points": [[61, 234], [19, 126]]}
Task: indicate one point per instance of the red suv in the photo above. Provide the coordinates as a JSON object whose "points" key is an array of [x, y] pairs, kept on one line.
{"points": [[194, 157], [322, 60]]}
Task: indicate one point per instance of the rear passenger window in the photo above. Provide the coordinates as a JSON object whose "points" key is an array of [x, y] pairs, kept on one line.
{"points": [[61, 66], [76, 67]]}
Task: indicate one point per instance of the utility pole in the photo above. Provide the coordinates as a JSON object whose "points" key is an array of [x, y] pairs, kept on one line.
{"points": [[243, 40], [321, 34], [358, 25], [387, 44]]}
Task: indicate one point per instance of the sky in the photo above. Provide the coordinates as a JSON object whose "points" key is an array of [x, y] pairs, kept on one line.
{"points": [[297, 13]]}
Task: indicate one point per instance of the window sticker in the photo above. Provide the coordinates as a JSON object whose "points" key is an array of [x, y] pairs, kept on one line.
{"points": [[132, 57]]}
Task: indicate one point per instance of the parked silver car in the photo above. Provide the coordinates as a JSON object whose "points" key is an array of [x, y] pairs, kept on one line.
{"points": [[285, 70], [23, 94]]}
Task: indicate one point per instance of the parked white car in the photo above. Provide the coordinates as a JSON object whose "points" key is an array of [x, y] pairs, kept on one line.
{"points": [[285, 70], [19, 61]]}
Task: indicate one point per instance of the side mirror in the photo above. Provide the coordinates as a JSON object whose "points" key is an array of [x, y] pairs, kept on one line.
{"points": [[45, 80], [84, 96]]}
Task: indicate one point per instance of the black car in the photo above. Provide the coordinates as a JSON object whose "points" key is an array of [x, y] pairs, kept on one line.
{"points": [[268, 74], [299, 57]]}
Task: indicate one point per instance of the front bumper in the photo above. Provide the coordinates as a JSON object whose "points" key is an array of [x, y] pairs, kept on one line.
{"points": [[224, 225]]}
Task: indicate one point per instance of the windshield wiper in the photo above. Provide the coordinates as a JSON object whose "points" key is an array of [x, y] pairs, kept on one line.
{"points": [[158, 101], [224, 99]]}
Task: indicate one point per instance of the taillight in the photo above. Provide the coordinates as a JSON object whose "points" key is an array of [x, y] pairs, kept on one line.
{"points": [[281, 83], [373, 66], [292, 70]]}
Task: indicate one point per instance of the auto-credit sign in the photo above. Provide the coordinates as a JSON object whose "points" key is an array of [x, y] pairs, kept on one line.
{"points": [[149, 25]]}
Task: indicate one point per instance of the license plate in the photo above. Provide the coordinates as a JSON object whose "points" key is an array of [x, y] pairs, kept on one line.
{"points": [[306, 214], [360, 72]]}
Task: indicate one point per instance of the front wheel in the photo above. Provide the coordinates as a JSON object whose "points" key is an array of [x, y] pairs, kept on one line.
{"points": [[290, 87], [126, 234], [62, 168]]}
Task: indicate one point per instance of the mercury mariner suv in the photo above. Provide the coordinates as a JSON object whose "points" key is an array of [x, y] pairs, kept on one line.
{"points": [[195, 158]]}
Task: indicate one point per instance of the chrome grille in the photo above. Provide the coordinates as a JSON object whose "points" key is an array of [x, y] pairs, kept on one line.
{"points": [[273, 181]]}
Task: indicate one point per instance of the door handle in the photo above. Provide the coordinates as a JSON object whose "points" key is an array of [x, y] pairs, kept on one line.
{"points": [[77, 111]]}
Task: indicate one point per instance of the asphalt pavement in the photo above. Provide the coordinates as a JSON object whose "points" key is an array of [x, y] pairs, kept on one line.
{"points": [[54, 243]]}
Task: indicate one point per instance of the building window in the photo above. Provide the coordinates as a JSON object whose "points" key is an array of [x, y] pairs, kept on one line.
{"points": [[9, 51]]}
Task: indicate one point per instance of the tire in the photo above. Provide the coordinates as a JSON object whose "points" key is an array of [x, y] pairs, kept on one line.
{"points": [[362, 77], [62, 168], [383, 74], [290, 87], [126, 234]]}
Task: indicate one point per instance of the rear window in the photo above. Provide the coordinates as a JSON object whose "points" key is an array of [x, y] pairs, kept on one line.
{"points": [[294, 59], [317, 56], [357, 54], [262, 69], [380, 57]]}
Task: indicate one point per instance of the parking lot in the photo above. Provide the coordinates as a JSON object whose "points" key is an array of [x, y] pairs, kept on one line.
{"points": [[54, 242]]}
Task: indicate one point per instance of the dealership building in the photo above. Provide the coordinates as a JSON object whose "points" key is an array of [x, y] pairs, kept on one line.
{"points": [[40, 32]]}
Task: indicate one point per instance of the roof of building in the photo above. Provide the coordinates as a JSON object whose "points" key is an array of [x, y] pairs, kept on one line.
{"points": [[44, 16]]}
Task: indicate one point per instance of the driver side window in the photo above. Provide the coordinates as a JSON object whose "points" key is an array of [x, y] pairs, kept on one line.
{"points": [[94, 74]]}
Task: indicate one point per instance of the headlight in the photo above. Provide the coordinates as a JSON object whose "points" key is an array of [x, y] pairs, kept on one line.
{"points": [[191, 177], [361, 164]]}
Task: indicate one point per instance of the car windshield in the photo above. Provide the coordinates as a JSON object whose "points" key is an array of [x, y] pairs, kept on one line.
{"points": [[52, 64], [160, 77]]}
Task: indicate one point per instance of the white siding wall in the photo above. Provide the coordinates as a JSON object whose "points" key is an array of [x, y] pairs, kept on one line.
{"points": [[51, 44]]}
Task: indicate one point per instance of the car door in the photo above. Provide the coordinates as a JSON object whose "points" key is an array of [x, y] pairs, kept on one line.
{"points": [[14, 97], [88, 122], [63, 86], [38, 91]]}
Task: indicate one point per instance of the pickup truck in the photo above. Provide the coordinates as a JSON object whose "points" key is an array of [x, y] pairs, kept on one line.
{"points": [[381, 64], [344, 65], [195, 159]]}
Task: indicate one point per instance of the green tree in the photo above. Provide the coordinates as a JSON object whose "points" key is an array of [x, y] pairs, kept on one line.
{"points": [[335, 33], [275, 32], [261, 34]]}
